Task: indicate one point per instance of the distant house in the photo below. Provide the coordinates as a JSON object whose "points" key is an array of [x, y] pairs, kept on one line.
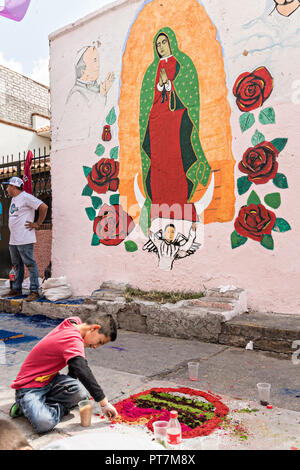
{"points": [[24, 126], [24, 115]]}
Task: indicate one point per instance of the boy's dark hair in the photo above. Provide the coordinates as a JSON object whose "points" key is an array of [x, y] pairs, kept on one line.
{"points": [[106, 321], [11, 437]]}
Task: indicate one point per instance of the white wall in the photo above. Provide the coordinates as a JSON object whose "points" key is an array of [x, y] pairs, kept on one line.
{"points": [[14, 140], [251, 37]]}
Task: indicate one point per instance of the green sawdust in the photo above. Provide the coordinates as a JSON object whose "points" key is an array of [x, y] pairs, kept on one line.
{"points": [[160, 297], [247, 410], [235, 428], [190, 412]]}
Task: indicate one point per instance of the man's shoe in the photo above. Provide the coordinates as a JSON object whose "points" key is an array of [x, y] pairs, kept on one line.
{"points": [[12, 293], [32, 297], [15, 411]]}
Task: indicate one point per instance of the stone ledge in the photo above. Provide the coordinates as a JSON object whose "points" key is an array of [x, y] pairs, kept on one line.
{"points": [[50, 310], [55, 310], [11, 305], [188, 319], [216, 318], [268, 331]]}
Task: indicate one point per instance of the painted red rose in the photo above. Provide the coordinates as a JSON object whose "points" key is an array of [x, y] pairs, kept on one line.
{"points": [[260, 163], [255, 221], [104, 176], [253, 89], [112, 225]]}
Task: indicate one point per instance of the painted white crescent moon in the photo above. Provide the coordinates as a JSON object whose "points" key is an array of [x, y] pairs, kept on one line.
{"points": [[200, 205]]}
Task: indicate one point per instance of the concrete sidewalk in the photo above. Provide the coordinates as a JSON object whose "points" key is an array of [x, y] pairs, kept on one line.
{"points": [[137, 362]]}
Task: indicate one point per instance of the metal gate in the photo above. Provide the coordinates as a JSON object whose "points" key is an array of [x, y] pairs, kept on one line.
{"points": [[41, 188]]}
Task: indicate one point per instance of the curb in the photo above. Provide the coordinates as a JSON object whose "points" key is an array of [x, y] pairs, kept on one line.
{"points": [[219, 318], [199, 318]]}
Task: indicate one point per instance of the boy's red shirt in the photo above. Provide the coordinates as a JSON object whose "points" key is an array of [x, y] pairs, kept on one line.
{"points": [[50, 355]]}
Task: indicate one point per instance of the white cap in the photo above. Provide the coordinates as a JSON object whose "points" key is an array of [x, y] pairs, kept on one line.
{"points": [[15, 181]]}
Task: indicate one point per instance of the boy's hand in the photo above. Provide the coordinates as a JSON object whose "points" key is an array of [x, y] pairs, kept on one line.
{"points": [[109, 411]]}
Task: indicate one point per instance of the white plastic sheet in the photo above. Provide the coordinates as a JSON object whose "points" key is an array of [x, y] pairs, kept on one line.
{"points": [[56, 289]]}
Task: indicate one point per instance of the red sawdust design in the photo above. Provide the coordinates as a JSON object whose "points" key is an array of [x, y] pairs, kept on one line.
{"points": [[131, 414]]}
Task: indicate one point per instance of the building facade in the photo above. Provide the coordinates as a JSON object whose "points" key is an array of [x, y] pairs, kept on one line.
{"points": [[24, 114]]}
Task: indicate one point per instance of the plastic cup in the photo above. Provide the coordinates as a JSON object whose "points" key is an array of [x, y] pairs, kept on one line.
{"points": [[160, 431], [193, 370], [86, 411], [264, 390]]}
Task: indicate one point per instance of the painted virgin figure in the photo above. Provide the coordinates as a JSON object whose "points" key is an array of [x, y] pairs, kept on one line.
{"points": [[173, 161]]}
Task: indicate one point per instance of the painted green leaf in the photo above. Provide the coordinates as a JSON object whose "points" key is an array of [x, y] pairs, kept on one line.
{"points": [[243, 184], [267, 116], [246, 121], [97, 202], [91, 213], [267, 242], [237, 240], [273, 200], [257, 138], [86, 170], [131, 246], [279, 144], [114, 199], [111, 118], [280, 181], [100, 150], [114, 153], [95, 240], [281, 225], [87, 191], [253, 199]]}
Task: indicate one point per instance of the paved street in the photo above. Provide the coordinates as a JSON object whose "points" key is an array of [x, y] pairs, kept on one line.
{"points": [[136, 362]]}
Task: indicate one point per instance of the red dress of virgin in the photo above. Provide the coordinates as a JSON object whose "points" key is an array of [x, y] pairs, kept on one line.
{"points": [[169, 185]]}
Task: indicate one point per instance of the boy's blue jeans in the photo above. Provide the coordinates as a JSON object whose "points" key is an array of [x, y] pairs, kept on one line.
{"points": [[20, 255], [44, 407]]}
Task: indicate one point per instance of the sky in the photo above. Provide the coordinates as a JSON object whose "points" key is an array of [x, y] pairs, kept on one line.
{"points": [[24, 45]]}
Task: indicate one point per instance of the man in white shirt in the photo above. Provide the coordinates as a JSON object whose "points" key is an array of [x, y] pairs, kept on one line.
{"points": [[22, 235]]}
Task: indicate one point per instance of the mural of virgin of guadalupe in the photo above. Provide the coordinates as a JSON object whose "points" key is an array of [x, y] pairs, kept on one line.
{"points": [[173, 161]]}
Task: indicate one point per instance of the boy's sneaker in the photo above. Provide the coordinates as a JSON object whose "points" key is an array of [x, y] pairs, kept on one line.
{"points": [[15, 411]]}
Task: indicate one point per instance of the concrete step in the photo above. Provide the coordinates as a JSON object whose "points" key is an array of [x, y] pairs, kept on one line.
{"points": [[194, 319], [227, 294], [217, 303], [199, 318], [269, 331]]}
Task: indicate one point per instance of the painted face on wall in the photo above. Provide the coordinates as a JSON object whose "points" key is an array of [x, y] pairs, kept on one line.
{"points": [[91, 60], [169, 233], [163, 46]]}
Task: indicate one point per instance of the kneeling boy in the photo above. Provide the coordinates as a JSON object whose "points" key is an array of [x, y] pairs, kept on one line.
{"points": [[42, 394]]}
